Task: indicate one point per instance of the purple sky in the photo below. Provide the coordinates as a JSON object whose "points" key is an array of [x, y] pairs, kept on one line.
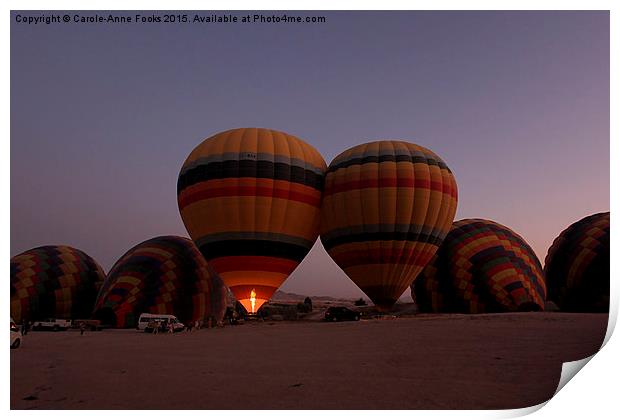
{"points": [[103, 116]]}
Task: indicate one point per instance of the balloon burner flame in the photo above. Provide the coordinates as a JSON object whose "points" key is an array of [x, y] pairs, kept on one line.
{"points": [[253, 300]]}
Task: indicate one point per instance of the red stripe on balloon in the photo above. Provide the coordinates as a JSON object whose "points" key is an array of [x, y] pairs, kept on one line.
{"points": [[190, 196], [383, 256], [338, 187], [252, 263]]}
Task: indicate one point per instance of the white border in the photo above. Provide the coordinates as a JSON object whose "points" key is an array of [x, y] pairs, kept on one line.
{"points": [[591, 395]]}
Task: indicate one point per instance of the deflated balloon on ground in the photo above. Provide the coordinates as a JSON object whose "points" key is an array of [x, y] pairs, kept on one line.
{"points": [[54, 281], [481, 266], [577, 266], [164, 275]]}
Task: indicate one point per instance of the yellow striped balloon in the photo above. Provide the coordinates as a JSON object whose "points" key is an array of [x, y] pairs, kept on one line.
{"points": [[387, 206], [250, 199]]}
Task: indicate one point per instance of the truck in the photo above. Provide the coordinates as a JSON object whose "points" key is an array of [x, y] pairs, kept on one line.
{"points": [[54, 324]]}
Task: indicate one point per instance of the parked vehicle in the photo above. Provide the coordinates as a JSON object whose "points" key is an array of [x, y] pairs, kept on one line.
{"points": [[147, 322], [341, 313], [53, 324], [89, 324], [16, 335]]}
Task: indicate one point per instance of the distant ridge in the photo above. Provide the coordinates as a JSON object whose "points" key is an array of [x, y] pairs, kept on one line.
{"points": [[279, 295], [287, 297]]}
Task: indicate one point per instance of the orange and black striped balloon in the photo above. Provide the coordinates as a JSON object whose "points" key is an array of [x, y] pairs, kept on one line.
{"points": [[387, 205], [55, 281], [480, 267], [577, 266], [250, 199]]}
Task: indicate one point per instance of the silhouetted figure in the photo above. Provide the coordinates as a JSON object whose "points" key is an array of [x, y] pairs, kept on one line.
{"points": [[361, 302], [229, 315]]}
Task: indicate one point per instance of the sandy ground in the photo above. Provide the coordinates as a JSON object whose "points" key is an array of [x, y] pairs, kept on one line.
{"points": [[422, 362]]}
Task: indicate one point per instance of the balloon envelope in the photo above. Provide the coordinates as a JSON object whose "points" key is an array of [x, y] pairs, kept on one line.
{"points": [[481, 266], [164, 275], [250, 199], [387, 205], [577, 266], [54, 281]]}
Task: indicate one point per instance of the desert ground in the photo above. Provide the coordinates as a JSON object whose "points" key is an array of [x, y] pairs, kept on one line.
{"points": [[415, 362]]}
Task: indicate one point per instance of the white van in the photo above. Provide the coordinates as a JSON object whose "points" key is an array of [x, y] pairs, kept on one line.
{"points": [[146, 322]]}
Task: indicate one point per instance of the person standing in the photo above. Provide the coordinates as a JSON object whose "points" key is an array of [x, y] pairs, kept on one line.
{"points": [[82, 328]]}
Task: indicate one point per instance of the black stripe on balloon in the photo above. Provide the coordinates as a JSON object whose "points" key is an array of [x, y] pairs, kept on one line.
{"points": [[388, 158], [513, 286], [254, 248], [381, 236], [251, 169]]}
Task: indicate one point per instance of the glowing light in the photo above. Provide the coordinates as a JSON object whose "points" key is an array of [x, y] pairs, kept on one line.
{"points": [[253, 300]]}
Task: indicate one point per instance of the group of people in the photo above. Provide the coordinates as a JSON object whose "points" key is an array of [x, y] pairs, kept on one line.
{"points": [[162, 326], [165, 326]]}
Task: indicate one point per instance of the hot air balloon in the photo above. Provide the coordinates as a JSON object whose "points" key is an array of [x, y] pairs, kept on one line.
{"points": [[387, 205], [577, 266], [163, 275], [54, 281], [250, 199], [481, 267]]}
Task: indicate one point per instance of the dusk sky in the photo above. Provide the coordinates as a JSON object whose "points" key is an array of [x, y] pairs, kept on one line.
{"points": [[103, 115]]}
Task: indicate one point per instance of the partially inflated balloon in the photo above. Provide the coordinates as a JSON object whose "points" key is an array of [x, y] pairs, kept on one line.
{"points": [[481, 267], [250, 199], [387, 206], [163, 275], [53, 281], [577, 266]]}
